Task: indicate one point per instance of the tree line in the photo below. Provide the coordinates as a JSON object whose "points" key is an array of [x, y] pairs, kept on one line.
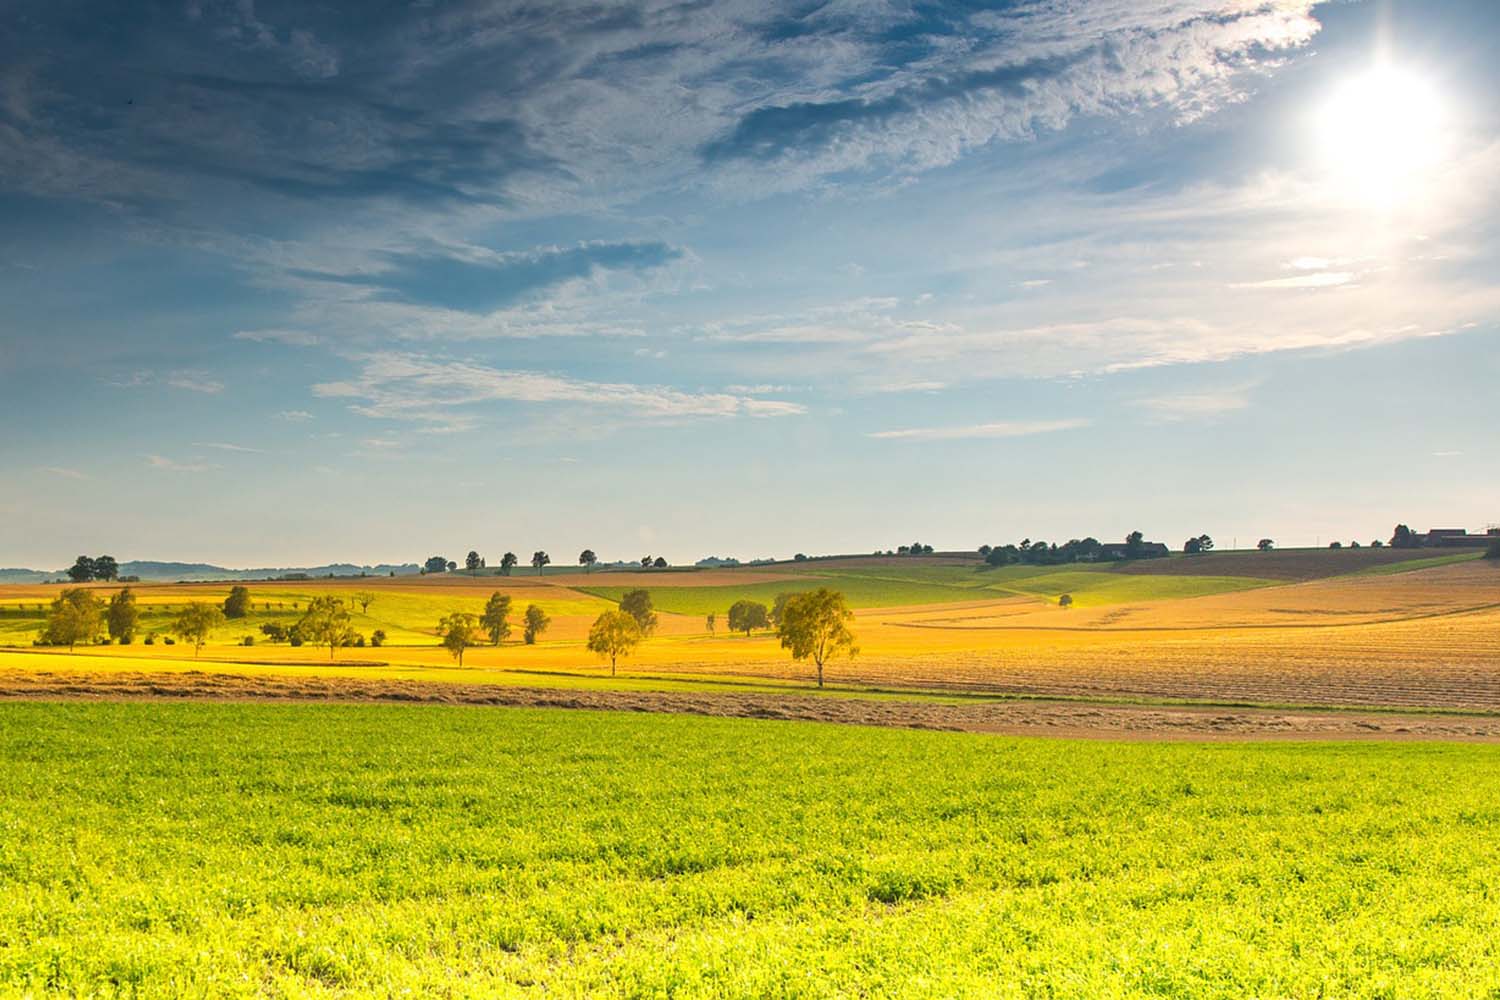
{"points": [[540, 560]]}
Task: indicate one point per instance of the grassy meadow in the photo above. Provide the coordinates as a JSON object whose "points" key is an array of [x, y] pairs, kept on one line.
{"points": [[195, 850]]}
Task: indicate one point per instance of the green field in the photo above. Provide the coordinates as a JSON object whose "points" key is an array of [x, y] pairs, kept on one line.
{"points": [[241, 850]]}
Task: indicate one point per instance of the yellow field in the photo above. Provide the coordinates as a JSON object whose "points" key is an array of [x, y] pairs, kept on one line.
{"points": [[1429, 637]]}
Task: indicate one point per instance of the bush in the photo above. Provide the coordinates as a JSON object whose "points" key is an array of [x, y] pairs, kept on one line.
{"points": [[168, 641], [150, 640], [377, 638], [359, 640], [249, 640], [295, 640]]}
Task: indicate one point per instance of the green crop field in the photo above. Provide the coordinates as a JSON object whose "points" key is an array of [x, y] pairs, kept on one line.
{"points": [[249, 850]]}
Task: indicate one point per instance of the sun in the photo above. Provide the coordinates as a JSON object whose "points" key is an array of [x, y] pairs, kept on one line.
{"points": [[1382, 132]]}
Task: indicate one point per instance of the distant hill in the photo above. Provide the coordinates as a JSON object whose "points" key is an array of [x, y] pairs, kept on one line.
{"points": [[169, 571]]}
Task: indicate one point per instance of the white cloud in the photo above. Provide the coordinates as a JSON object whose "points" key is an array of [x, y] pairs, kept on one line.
{"points": [[294, 416], [1002, 429], [194, 381], [57, 470], [224, 446], [168, 465], [1202, 404], [1322, 279], [412, 387]]}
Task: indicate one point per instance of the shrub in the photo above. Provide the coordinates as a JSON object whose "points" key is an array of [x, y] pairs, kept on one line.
{"points": [[295, 640], [167, 640], [249, 640], [377, 638], [151, 639]]}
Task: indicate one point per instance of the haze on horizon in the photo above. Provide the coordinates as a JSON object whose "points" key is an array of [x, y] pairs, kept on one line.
{"points": [[284, 285]]}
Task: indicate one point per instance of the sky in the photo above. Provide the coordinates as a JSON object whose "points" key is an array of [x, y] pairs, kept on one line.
{"points": [[283, 284]]}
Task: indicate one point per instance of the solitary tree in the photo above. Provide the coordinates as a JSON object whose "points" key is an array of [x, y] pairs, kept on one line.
{"points": [[507, 561], [1065, 601], [457, 631], [122, 616], [451, 566], [74, 618], [364, 599], [105, 568], [637, 604], [436, 564], [645, 562], [539, 559], [815, 626], [660, 563], [614, 634], [496, 618], [536, 623], [712, 621], [472, 562], [1265, 545], [586, 559], [237, 604], [82, 570], [325, 623], [196, 622], [747, 615]]}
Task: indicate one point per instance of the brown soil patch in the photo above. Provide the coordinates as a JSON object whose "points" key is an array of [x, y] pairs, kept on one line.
{"points": [[1027, 718]]}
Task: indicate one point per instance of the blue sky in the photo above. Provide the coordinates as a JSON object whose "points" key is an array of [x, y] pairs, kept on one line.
{"points": [[282, 284]]}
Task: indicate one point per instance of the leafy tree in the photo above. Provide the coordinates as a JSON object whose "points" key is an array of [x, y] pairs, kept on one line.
{"points": [[105, 568], [1135, 545], [364, 599], [586, 559], [237, 604], [472, 562], [540, 560], [712, 621], [1265, 545], [747, 615], [496, 618], [196, 622], [614, 634], [1205, 544], [815, 626], [800, 557], [274, 631], [777, 606], [645, 562], [82, 570], [984, 551], [661, 562], [1404, 538], [457, 632], [637, 604], [377, 637], [326, 622], [536, 623], [1065, 601], [1192, 546], [122, 616], [436, 564], [507, 561], [74, 618], [1335, 545], [451, 566]]}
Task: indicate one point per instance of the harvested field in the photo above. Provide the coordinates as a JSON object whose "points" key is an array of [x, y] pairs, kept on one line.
{"points": [[1023, 717], [1283, 564]]}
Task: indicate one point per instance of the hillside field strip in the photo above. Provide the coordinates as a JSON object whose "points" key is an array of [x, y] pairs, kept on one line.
{"points": [[1363, 633]]}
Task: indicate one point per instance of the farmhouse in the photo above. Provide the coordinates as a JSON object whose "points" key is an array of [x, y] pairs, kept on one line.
{"points": [[1120, 550], [1458, 538]]}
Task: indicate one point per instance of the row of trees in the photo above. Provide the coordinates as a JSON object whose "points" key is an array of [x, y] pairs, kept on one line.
{"points": [[474, 562]]}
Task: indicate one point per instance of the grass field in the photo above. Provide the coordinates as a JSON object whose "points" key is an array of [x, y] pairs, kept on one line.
{"points": [[234, 850]]}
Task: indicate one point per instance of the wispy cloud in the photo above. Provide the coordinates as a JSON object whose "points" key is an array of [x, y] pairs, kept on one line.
{"points": [[224, 446], [292, 338], [1197, 405], [169, 465], [1001, 429], [1322, 279], [415, 388], [66, 473], [195, 381], [294, 416]]}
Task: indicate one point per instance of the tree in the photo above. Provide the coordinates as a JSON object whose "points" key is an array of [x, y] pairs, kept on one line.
{"points": [[1205, 544], [507, 561], [712, 621], [614, 634], [815, 626], [1135, 545], [105, 568], [984, 551], [457, 632], [540, 559], [586, 559], [451, 566], [747, 615], [472, 562], [364, 599], [536, 623], [196, 622], [637, 604], [237, 604], [274, 631], [1404, 538], [1065, 601], [74, 618], [496, 618], [1335, 545], [645, 562], [777, 606], [1265, 545], [661, 562], [1192, 546], [325, 622], [82, 570], [800, 557], [436, 564], [121, 617]]}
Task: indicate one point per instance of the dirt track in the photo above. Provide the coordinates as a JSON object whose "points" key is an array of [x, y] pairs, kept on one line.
{"points": [[1029, 718]]}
